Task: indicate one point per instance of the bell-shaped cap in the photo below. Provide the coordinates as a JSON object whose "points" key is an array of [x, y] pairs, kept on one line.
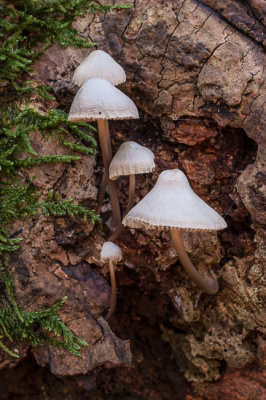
{"points": [[98, 99], [131, 159], [173, 204], [110, 252], [99, 64]]}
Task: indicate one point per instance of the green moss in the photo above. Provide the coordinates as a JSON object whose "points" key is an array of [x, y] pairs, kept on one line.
{"points": [[24, 27]]}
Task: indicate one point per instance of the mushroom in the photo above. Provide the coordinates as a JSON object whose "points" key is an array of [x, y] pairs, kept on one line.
{"points": [[112, 253], [99, 64], [131, 159], [173, 204], [99, 100]]}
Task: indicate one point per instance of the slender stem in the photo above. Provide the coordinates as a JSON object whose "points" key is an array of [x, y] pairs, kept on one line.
{"points": [[105, 143], [130, 204], [101, 194], [113, 295], [115, 235], [211, 286], [131, 198]]}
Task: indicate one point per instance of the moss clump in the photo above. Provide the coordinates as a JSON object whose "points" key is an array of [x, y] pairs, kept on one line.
{"points": [[24, 27]]}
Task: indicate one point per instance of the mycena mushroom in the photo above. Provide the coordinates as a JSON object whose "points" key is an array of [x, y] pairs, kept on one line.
{"points": [[98, 100], [131, 159], [112, 253], [100, 64], [172, 204]]}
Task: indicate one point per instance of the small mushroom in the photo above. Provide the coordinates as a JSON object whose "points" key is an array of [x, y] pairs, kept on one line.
{"points": [[131, 159], [172, 204], [99, 64], [98, 100], [112, 253]]}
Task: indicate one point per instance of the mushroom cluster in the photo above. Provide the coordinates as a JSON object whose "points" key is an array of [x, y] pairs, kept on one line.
{"points": [[171, 204]]}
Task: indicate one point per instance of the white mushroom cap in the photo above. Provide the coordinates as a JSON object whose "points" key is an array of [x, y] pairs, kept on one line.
{"points": [[99, 65], [173, 204], [98, 99], [131, 159], [110, 252]]}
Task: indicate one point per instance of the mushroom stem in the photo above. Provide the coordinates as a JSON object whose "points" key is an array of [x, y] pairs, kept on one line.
{"points": [[101, 194], [130, 204], [211, 286], [131, 198], [115, 235], [105, 143], [113, 295]]}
